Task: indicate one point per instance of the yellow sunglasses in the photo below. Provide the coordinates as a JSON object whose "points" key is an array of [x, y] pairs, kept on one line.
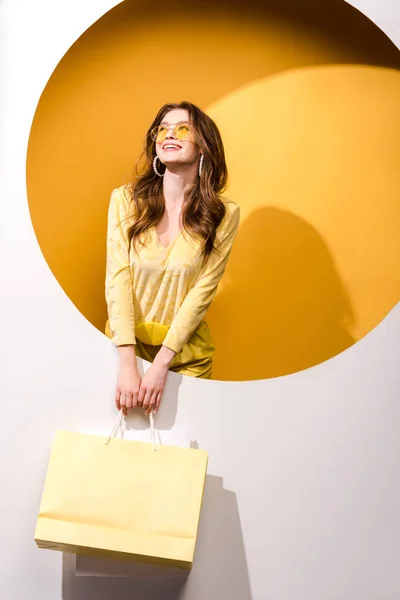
{"points": [[181, 132]]}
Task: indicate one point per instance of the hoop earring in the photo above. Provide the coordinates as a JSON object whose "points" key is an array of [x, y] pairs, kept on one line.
{"points": [[201, 164], [155, 167]]}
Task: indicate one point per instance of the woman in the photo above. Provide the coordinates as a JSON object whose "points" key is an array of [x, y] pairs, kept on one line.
{"points": [[170, 233]]}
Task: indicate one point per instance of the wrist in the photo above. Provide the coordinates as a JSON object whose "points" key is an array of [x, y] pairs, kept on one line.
{"points": [[164, 357], [128, 364], [161, 362], [127, 356]]}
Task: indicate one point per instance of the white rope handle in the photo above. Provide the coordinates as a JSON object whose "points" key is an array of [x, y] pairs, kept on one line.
{"points": [[116, 427], [153, 436], [120, 425]]}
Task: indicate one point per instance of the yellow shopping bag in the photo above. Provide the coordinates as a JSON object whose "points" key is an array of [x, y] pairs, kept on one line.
{"points": [[122, 499]]}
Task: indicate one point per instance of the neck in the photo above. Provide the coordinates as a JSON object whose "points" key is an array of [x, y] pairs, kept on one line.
{"points": [[176, 181]]}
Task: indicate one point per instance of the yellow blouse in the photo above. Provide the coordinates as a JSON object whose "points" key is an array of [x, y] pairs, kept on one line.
{"points": [[160, 294]]}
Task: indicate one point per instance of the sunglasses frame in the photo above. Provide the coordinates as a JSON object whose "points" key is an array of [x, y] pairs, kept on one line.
{"points": [[154, 132]]}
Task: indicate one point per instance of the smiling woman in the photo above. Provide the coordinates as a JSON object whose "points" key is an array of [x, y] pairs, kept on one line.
{"points": [[170, 234]]}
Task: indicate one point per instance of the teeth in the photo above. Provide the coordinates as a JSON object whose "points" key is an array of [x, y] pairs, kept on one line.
{"points": [[170, 146]]}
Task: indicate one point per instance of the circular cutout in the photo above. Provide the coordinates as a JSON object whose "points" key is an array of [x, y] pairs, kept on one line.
{"points": [[312, 155]]}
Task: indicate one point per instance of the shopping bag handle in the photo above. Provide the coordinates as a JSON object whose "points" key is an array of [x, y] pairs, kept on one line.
{"points": [[119, 423]]}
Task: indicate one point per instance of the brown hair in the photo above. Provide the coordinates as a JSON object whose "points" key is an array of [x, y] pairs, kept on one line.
{"points": [[202, 210]]}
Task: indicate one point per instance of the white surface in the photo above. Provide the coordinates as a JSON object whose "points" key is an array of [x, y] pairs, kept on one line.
{"points": [[384, 13], [302, 497]]}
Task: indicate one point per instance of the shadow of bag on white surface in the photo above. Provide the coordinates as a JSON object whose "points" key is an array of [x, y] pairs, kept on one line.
{"points": [[219, 570], [91, 566]]}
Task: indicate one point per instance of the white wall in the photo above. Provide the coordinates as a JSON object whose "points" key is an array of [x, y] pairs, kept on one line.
{"points": [[303, 491]]}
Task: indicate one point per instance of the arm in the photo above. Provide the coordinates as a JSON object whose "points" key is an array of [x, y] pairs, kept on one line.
{"points": [[200, 296], [119, 297], [118, 284]]}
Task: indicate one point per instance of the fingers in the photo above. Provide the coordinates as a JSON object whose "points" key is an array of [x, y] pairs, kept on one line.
{"points": [[120, 402], [135, 399], [147, 398], [125, 401], [141, 395], [158, 402], [128, 385], [128, 400], [152, 403], [117, 399], [123, 404]]}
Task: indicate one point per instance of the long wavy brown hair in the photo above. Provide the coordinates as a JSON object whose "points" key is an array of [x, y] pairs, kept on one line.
{"points": [[202, 210]]}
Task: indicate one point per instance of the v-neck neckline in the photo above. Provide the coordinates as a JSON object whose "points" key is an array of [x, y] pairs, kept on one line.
{"points": [[159, 244]]}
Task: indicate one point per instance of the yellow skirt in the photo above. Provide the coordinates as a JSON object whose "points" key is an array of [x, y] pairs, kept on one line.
{"points": [[195, 357]]}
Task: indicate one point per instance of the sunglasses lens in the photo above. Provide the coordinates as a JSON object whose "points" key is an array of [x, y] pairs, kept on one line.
{"points": [[182, 131], [159, 133]]}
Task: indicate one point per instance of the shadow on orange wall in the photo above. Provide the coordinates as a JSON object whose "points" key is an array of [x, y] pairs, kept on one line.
{"points": [[284, 307]]}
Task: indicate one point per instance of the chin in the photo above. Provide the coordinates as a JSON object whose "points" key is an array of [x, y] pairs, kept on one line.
{"points": [[170, 160]]}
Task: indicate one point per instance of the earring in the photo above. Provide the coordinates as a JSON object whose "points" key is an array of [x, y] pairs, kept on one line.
{"points": [[201, 164], [155, 167]]}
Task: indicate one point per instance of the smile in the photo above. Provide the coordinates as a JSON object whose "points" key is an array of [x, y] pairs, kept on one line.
{"points": [[171, 147]]}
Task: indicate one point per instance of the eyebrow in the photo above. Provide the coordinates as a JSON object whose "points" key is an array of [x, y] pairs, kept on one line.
{"points": [[177, 123]]}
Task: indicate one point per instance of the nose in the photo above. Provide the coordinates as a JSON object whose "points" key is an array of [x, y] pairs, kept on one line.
{"points": [[170, 132]]}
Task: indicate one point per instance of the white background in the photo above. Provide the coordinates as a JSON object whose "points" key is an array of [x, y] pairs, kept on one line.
{"points": [[303, 495]]}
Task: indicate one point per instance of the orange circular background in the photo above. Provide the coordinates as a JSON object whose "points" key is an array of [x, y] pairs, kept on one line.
{"points": [[309, 116]]}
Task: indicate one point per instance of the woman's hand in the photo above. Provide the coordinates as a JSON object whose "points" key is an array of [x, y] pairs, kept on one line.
{"points": [[153, 382], [128, 386], [152, 387]]}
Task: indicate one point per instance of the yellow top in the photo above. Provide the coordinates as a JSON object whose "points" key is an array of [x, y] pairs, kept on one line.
{"points": [[161, 294]]}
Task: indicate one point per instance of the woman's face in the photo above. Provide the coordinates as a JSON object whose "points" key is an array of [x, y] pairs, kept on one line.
{"points": [[172, 150]]}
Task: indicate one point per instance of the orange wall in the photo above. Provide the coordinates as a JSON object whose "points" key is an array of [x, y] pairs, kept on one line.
{"points": [[311, 134]]}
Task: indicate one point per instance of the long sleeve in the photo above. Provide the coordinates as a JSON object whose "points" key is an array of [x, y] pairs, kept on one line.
{"points": [[118, 283], [200, 296]]}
